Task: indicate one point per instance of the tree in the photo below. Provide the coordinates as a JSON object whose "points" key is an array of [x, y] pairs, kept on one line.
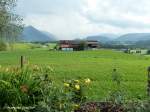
{"points": [[82, 45], [10, 23]]}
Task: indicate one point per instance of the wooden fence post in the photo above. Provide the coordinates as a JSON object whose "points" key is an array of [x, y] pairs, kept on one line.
{"points": [[148, 81], [22, 61]]}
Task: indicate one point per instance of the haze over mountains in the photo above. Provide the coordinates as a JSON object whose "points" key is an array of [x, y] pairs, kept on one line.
{"points": [[134, 37], [99, 38], [104, 37], [31, 34], [130, 37]]}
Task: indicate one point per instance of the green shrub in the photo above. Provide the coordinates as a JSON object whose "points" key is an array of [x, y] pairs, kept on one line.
{"points": [[65, 99], [3, 46], [33, 86], [23, 86]]}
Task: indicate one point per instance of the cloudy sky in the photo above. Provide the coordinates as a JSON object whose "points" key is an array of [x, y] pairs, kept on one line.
{"points": [[68, 19]]}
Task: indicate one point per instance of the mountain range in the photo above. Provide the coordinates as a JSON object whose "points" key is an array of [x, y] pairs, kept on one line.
{"points": [[31, 34], [134, 37], [130, 37], [99, 38], [103, 38]]}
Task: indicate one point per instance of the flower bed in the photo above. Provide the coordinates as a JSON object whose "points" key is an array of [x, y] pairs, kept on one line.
{"points": [[33, 87]]}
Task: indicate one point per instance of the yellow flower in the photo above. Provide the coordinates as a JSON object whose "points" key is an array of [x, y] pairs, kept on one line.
{"points": [[77, 87], [7, 69], [77, 81], [66, 84], [87, 81], [76, 106]]}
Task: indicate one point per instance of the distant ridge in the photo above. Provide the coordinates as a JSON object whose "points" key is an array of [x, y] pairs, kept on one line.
{"points": [[31, 34], [123, 39], [134, 37], [98, 38], [102, 37]]}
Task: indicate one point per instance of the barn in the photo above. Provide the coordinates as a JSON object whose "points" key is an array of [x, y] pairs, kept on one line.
{"points": [[77, 45]]}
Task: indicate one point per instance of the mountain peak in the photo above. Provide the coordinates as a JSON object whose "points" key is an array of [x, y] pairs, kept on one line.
{"points": [[31, 34]]}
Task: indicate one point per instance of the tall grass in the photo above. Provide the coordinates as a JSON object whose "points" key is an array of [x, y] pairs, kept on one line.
{"points": [[23, 86], [33, 86]]}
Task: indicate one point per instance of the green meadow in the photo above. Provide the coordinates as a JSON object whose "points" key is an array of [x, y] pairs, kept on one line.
{"points": [[96, 65]]}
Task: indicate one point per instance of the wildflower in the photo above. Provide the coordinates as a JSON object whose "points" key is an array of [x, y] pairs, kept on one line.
{"points": [[77, 81], [87, 81], [77, 87], [66, 84], [24, 88], [76, 106], [7, 69]]}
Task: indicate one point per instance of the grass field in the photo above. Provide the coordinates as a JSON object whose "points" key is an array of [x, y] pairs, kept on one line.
{"points": [[96, 65]]}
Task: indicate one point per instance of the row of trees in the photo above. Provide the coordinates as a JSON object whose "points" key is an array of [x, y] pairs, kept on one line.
{"points": [[10, 23]]}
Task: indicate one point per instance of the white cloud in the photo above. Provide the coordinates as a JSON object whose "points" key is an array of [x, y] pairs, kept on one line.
{"points": [[78, 18]]}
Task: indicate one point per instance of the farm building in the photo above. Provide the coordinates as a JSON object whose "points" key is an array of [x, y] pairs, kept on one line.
{"points": [[76, 45], [92, 44], [137, 51]]}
